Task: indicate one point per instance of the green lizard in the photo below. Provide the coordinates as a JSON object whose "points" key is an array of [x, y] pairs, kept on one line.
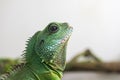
{"points": [[45, 55]]}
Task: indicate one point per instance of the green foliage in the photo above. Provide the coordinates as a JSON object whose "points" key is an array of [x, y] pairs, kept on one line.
{"points": [[6, 63]]}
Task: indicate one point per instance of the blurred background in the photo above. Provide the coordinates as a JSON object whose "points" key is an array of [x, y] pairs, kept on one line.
{"points": [[96, 26]]}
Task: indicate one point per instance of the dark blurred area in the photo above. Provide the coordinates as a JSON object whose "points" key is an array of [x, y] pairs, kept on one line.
{"points": [[87, 61]]}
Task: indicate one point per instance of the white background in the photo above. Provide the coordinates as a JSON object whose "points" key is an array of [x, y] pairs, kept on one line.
{"points": [[96, 25]]}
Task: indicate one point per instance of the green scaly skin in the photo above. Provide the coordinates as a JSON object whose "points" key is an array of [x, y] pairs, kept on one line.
{"points": [[45, 55]]}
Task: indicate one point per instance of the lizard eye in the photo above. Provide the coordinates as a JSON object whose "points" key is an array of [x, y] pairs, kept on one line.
{"points": [[53, 28]]}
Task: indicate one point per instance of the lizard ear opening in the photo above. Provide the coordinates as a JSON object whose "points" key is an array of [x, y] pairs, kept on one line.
{"points": [[41, 42]]}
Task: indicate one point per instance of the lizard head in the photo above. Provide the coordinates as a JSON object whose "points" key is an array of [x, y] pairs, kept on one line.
{"points": [[50, 44]]}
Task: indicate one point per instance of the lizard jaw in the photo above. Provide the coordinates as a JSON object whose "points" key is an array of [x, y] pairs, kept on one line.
{"points": [[66, 38]]}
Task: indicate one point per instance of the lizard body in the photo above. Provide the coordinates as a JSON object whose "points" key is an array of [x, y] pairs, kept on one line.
{"points": [[45, 55]]}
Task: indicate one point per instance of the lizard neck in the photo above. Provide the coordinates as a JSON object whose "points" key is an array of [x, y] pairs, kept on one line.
{"points": [[35, 63], [38, 67]]}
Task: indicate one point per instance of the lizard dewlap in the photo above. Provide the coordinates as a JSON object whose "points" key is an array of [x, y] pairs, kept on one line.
{"points": [[45, 55]]}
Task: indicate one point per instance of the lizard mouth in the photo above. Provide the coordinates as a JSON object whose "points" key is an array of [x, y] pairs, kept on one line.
{"points": [[66, 38]]}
